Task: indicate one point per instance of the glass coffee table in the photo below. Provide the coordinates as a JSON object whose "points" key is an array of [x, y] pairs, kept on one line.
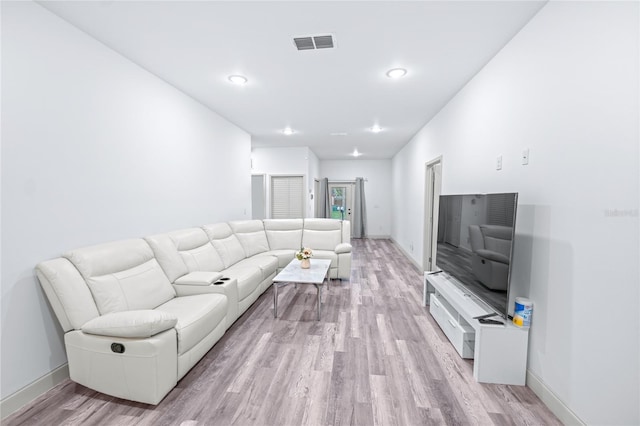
{"points": [[317, 274]]}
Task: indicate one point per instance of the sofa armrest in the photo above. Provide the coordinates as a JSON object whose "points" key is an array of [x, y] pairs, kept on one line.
{"points": [[228, 287], [198, 278], [343, 248], [142, 323], [223, 287]]}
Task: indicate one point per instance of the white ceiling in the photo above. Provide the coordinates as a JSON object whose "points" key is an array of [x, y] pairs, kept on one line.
{"points": [[196, 45]]}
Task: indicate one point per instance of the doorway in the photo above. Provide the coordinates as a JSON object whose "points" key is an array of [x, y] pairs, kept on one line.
{"points": [[317, 205], [433, 188], [341, 197], [258, 197]]}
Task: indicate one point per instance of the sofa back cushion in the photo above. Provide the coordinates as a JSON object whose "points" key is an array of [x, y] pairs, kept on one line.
{"points": [[284, 234], [497, 238], [322, 234], [190, 248], [251, 235], [226, 243], [68, 293], [122, 275], [196, 250], [167, 255]]}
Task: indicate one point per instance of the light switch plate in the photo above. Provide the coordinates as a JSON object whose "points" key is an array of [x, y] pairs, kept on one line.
{"points": [[499, 162], [525, 157]]}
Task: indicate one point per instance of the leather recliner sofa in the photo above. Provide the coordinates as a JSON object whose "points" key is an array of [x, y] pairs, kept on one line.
{"points": [[491, 251], [138, 314]]}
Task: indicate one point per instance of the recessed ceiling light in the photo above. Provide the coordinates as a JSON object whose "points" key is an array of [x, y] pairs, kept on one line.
{"points": [[288, 131], [376, 129], [238, 79], [338, 134], [356, 153], [396, 73]]}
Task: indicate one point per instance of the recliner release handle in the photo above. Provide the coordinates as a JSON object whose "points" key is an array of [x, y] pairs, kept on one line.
{"points": [[117, 348]]}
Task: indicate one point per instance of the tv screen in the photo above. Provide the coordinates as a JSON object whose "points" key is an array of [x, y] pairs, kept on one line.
{"points": [[475, 244]]}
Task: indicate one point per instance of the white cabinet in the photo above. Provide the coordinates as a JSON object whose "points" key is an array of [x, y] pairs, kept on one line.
{"points": [[499, 351], [461, 335]]}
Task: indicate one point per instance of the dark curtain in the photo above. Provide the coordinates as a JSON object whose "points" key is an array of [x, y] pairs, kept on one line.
{"points": [[359, 216]]}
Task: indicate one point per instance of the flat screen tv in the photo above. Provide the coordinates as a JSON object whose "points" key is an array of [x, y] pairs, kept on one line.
{"points": [[475, 244]]}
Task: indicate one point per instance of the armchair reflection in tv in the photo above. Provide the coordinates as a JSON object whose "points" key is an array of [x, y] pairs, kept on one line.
{"points": [[471, 284]]}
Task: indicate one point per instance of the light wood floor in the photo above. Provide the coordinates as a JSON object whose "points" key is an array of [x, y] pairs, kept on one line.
{"points": [[376, 358]]}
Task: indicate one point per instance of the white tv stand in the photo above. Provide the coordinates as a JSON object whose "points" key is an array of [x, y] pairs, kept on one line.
{"points": [[499, 351]]}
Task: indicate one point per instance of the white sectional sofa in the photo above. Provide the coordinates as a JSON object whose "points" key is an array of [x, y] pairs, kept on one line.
{"points": [[139, 314]]}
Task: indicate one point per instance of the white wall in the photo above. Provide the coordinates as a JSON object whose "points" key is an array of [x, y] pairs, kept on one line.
{"points": [[313, 174], [94, 149], [377, 190], [298, 161], [567, 87]]}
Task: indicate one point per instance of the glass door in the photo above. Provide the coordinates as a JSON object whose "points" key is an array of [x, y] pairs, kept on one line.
{"points": [[341, 197]]}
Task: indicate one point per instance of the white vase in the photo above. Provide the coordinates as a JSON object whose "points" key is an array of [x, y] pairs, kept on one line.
{"points": [[305, 263]]}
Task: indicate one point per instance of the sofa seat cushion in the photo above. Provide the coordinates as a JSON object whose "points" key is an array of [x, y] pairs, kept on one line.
{"points": [[497, 245], [492, 255], [267, 264], [283, 256], [132, 324], [197, 316], [248, 277]]}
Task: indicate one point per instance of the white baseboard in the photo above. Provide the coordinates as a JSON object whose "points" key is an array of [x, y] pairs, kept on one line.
{"points": [[19, 399], [406, 254], [557, 407], [379, 237]]}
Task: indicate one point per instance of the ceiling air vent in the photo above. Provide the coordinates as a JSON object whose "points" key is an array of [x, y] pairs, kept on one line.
{"points": [[314, 42], [323, 42]]}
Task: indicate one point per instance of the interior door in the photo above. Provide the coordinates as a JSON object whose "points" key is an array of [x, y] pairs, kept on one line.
{"points": [[258, 198], [433, 187]]}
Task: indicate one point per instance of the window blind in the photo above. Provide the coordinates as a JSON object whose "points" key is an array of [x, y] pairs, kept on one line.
{"points": [[287, 197], [500, 209]]}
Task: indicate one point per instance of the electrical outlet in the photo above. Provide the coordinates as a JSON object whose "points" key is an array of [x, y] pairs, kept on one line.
{"points": [[499, 162]]}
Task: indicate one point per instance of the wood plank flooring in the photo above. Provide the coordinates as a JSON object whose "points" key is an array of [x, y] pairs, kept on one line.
{"points": [[376, 358]]}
